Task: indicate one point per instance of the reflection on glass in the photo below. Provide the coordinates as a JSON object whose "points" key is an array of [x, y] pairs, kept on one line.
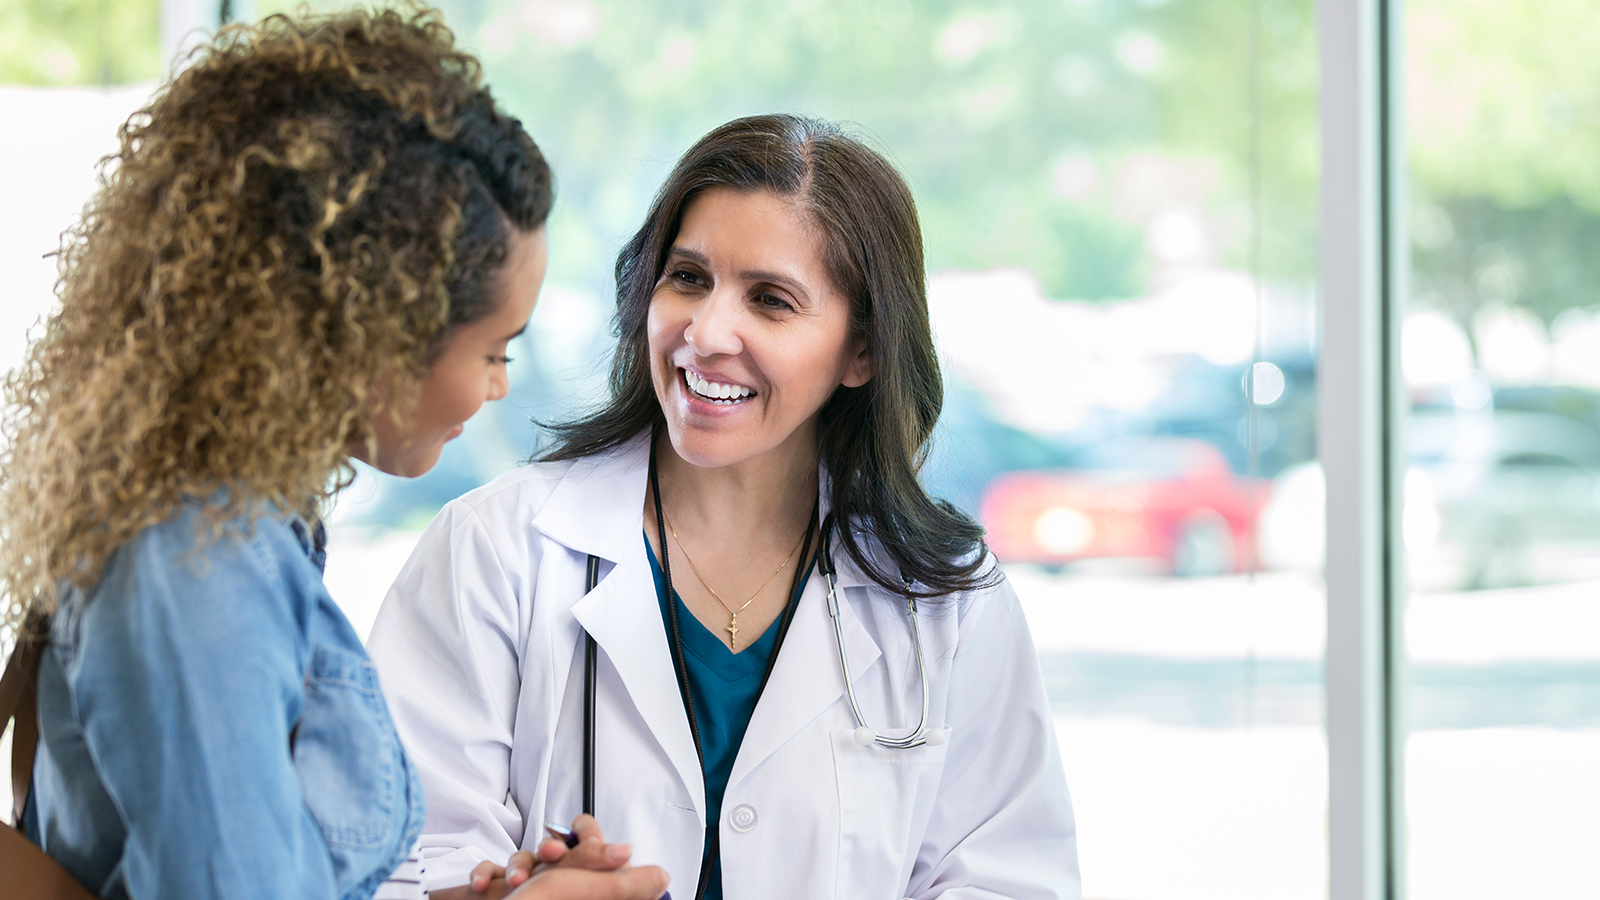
{"points": [[1502, 452]]}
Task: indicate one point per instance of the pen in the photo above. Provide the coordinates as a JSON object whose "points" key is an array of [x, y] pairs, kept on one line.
{"points": [[569, 837], [562, 833]]}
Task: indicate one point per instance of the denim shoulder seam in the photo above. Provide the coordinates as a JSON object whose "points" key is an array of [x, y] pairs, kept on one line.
{"points": [[264, 556]]}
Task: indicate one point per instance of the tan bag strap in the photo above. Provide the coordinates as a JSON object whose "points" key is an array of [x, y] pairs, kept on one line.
{"points": [[19, 701], [30, 874]]}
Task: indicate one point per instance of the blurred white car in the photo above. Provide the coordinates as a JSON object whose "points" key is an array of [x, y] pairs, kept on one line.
{"points": [[1492, 499]]}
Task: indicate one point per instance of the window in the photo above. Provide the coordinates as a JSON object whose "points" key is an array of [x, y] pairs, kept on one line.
{"points": [[1502, 466], [1119, 206], [1268, 328]]}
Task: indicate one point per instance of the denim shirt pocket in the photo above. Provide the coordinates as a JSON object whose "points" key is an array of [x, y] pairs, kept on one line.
{"points": [[348, 756]]}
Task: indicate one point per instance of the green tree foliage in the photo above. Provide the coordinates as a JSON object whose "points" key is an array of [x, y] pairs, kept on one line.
{"points": [[1243, 92], [969, 103], [1503, 100], [65, 42], [1473, 253], [1503, 132], [1031, 131], [1021, 125], [1037, 133]]}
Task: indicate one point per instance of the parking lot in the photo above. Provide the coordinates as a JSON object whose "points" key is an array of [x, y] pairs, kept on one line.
{"points": [[1189, 715]]}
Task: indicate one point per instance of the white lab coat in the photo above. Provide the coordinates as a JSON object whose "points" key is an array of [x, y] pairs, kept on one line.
{"points": [[480, 651]]}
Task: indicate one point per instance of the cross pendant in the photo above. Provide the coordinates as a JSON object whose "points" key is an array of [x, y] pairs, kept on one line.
{"points": [[733, 633]]}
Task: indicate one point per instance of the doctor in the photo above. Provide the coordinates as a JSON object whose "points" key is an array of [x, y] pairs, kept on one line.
{"points": [[774, 389]]}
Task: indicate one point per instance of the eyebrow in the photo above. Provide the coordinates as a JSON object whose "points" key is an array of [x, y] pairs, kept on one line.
{"points": [[767, 275], [518, 333]]}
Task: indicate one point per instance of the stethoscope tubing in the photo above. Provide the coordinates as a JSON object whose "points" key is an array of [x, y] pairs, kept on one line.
{"points": [[919, 735], [917, 738], [590, 667]]}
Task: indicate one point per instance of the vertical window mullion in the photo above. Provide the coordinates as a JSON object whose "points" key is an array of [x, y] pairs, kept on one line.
{"points": [[1358, 410]]}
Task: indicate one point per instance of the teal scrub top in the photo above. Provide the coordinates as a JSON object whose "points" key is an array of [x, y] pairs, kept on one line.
{"points": [[724, 687]]}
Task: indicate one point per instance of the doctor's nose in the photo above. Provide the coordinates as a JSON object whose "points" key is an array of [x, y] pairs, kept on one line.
{"points": [[714, 326]]}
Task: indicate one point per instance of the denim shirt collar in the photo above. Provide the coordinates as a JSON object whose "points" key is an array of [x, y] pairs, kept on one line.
{"points": [[313, 538]]}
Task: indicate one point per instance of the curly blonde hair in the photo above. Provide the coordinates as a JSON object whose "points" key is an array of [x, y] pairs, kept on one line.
{"points": [[292, 227]]}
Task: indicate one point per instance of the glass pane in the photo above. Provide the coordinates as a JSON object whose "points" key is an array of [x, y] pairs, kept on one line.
{"points": [[1119, 207], [1502, 488], [1108, 259]]}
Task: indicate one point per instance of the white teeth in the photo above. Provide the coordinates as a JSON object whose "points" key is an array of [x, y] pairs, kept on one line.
{"points": [[715, 391]]}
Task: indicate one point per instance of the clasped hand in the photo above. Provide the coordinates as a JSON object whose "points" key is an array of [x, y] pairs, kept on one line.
{"points": [[592, 870]]}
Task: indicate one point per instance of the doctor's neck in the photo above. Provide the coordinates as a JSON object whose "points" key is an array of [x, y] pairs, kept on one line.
{"points": [[772, 493]]}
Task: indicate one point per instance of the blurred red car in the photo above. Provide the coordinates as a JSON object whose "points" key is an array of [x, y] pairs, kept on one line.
{"points": [[1165, 502]]}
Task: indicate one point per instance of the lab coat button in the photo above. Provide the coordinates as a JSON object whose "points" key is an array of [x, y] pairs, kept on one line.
{"points": [[744, 817]]}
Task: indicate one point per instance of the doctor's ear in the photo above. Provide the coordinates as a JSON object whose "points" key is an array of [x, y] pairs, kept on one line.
{"points": [[859, 370]]}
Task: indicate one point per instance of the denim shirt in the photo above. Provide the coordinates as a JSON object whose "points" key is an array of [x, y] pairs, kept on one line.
{"points": [[211, 727]]}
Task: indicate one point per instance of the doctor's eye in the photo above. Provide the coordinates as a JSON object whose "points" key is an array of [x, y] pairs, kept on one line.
{"points": [[685, 276]]}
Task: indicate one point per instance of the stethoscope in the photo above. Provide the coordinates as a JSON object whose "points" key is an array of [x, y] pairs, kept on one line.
{"points": [[864, 734]]}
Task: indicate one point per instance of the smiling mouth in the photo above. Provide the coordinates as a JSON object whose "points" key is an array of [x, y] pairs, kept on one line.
{"points": [[714, 392]]}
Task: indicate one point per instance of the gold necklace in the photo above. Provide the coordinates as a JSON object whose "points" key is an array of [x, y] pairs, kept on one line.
{"points": [[733, 623]]}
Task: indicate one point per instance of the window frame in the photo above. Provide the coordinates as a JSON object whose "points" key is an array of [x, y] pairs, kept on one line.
{"points": [[1362, 272]]}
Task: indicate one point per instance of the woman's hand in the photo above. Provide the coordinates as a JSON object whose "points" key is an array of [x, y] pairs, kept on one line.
{"points": [[572, 883], [492, 881]]}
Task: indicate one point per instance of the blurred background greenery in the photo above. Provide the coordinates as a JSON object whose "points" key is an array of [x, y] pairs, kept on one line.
{"points": [[1012, 120], [1017, 122], [1062, 138]]}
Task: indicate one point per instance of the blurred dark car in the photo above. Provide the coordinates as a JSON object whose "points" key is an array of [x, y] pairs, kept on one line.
{"points": [[1580, 404], [1172, 504], [971, 446], [1208, 402]]}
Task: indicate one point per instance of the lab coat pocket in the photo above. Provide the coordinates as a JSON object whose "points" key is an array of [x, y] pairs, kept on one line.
{"points": [[347, 754], [885, 798]]}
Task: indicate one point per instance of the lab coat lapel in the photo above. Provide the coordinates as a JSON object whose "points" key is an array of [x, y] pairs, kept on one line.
{"points": [[624, 618], [807, 678], [597, 508]]}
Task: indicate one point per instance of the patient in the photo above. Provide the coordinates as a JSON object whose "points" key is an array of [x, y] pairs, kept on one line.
{"points": [[314, 246]]}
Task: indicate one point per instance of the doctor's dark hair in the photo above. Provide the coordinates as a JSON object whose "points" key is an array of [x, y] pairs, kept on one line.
{"points": [[294, 226], [873, 439]]}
